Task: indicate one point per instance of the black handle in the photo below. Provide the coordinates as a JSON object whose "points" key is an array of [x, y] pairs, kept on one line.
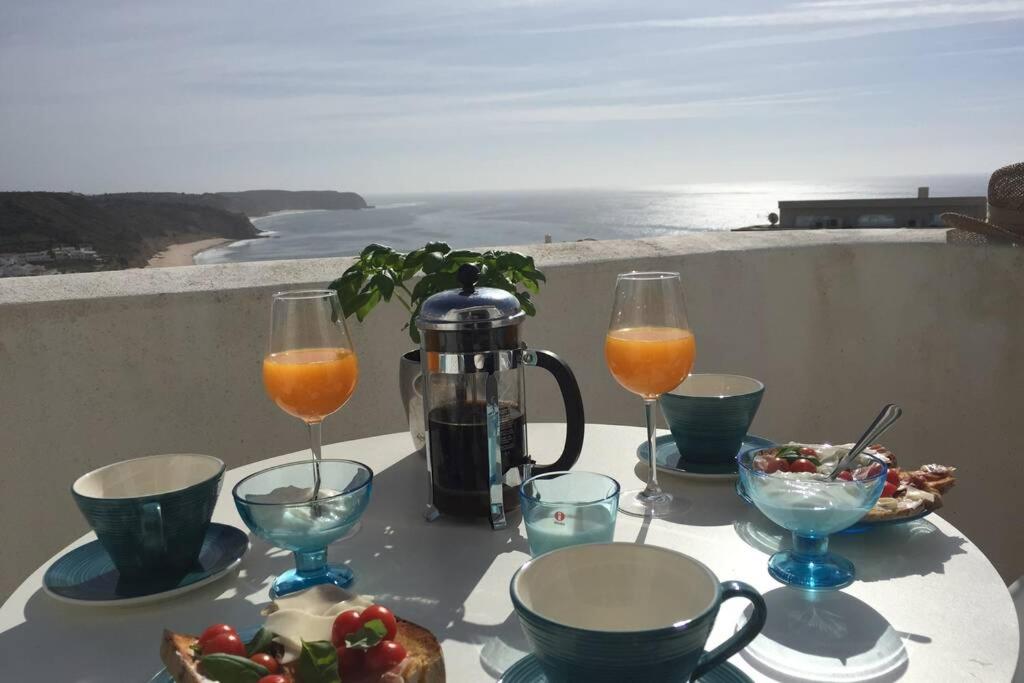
{"points": [[740, 639], [574, 421]]}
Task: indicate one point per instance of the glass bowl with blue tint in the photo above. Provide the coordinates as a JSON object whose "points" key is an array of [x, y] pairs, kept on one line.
{"points": [[278, 505], [812, 507]]}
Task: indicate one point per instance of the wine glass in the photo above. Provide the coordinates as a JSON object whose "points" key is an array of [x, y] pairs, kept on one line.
{"points": [[311, 369], [649, 350]]}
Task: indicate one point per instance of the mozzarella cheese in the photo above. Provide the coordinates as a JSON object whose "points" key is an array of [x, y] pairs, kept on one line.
{"points": [[309, 616]]}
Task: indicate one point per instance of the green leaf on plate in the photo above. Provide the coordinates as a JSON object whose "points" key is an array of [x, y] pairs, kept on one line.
{"points": [[231, 669], [318, 663]]}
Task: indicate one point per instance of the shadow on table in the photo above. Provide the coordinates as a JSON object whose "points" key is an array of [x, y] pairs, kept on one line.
{"points": [[426, 571], [826, 636], [82, 632], [711, 502], [917, 548]]}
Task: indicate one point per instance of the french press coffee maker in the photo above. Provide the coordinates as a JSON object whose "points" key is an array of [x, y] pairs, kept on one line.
{"points": [[474, 401]]}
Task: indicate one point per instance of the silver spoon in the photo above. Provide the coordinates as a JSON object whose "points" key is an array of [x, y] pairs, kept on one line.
{"points": [[885, 419]]}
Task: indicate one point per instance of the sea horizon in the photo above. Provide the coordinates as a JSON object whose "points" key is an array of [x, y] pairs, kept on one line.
{"points": [[519, 217]]}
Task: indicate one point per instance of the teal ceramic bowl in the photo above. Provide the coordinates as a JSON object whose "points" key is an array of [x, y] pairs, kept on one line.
{"points": [[709, 415], [613, 612]]}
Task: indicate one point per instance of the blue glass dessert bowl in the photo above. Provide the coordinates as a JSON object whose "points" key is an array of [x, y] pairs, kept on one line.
{"points": [[279, 506], [812, 507]]}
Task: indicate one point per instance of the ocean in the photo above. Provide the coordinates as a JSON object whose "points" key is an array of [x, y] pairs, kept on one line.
{"points": [[481, 219]]}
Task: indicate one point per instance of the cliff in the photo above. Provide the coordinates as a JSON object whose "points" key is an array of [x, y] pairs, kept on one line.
{"points": [[255, 203], [125, 232], [126, 229]]}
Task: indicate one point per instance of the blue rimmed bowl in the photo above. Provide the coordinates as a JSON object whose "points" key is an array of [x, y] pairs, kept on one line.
{"points": [[709, 415], [612, 612]]}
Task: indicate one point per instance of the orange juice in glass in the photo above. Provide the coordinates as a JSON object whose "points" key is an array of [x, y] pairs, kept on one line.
{"points": [[649, 360], [310, 369], [649, 349], [310, 383]]}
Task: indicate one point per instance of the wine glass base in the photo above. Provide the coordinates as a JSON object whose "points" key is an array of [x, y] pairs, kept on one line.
{"points": [[637, 503], [823, 572], [292, 581]]}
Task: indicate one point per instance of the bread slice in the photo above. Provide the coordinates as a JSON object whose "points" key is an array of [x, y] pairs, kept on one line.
{"points": [[423, 663]]}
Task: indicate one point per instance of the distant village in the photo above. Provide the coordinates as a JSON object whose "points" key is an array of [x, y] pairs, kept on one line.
{"points": [[50, 261]]}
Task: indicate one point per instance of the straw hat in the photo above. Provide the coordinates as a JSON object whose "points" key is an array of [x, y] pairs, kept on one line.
{"points": [[1004, 221]]}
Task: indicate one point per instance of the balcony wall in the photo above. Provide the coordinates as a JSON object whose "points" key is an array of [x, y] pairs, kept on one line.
{"points": [[100, 367]]}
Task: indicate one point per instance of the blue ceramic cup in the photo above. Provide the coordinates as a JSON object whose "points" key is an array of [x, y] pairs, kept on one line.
{"points": [[568, 508], [613, 612], [151, 514], [709, 415]]}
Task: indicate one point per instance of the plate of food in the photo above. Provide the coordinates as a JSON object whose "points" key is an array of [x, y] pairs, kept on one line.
{"points": [[321, 635], [909, 494]]}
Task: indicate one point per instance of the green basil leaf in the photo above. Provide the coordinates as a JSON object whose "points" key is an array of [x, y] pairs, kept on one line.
{"points": [[367, 305], [368, 635], [231, 669], [372, 249], [260, 642], [432, 262], [318, 663], [384, 284], [441, 247]]}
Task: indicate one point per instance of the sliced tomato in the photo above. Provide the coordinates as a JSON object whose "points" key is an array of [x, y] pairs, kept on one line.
{"points": [[386, 655], [802, 465], [224, 643], [345, 623], [215, 630], [893, 476], [350, 661], [888, 490], [384, 614], [845, 475], [267, 662]]}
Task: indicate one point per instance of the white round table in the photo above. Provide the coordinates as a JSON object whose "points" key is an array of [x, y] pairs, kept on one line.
{"points": [[923, 586]]}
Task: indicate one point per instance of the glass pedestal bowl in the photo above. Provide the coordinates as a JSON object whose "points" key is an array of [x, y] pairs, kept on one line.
{"points": [[276, 504], [812, 508]]}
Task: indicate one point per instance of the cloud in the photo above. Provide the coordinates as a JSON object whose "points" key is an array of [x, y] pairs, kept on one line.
{"points": [[807, 16]]}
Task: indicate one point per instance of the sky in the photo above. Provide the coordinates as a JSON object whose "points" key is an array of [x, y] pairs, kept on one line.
{"points": [[419, 96]]}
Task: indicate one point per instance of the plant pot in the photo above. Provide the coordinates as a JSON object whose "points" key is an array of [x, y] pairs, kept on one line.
{"points": [[410, 382]]}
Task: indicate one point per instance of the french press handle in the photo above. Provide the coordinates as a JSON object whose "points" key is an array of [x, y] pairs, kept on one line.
{"points": [[574, 420]]}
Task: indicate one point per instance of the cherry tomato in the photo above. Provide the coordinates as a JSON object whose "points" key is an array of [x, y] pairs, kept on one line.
{"points": [[384, 614], [344, 624], [845, 475], [273, 678], [224, 643], [775, 465], [267, 662], [350, 660], [386, 655], [874, 470], [808, 451], [215, 630], [888, 490], [893, 477], [802, 465]]}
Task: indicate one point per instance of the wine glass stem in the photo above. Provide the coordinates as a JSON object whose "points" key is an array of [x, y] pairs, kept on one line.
{"points": [[314, 445], [652, 481]]}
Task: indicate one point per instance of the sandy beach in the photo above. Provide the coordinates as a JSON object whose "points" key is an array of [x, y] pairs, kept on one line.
{"points": [[182, 254]]}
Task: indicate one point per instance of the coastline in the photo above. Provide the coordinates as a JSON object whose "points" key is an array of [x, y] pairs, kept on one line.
{"points": [[182, 254], [284, 212]]}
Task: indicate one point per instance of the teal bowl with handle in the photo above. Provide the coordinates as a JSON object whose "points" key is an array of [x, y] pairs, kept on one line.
{"points": [[613, 612]]}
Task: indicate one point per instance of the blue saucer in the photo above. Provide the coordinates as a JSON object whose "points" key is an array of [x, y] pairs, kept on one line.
{"points": [[87, 576], [527, 670], [670, 461]]}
